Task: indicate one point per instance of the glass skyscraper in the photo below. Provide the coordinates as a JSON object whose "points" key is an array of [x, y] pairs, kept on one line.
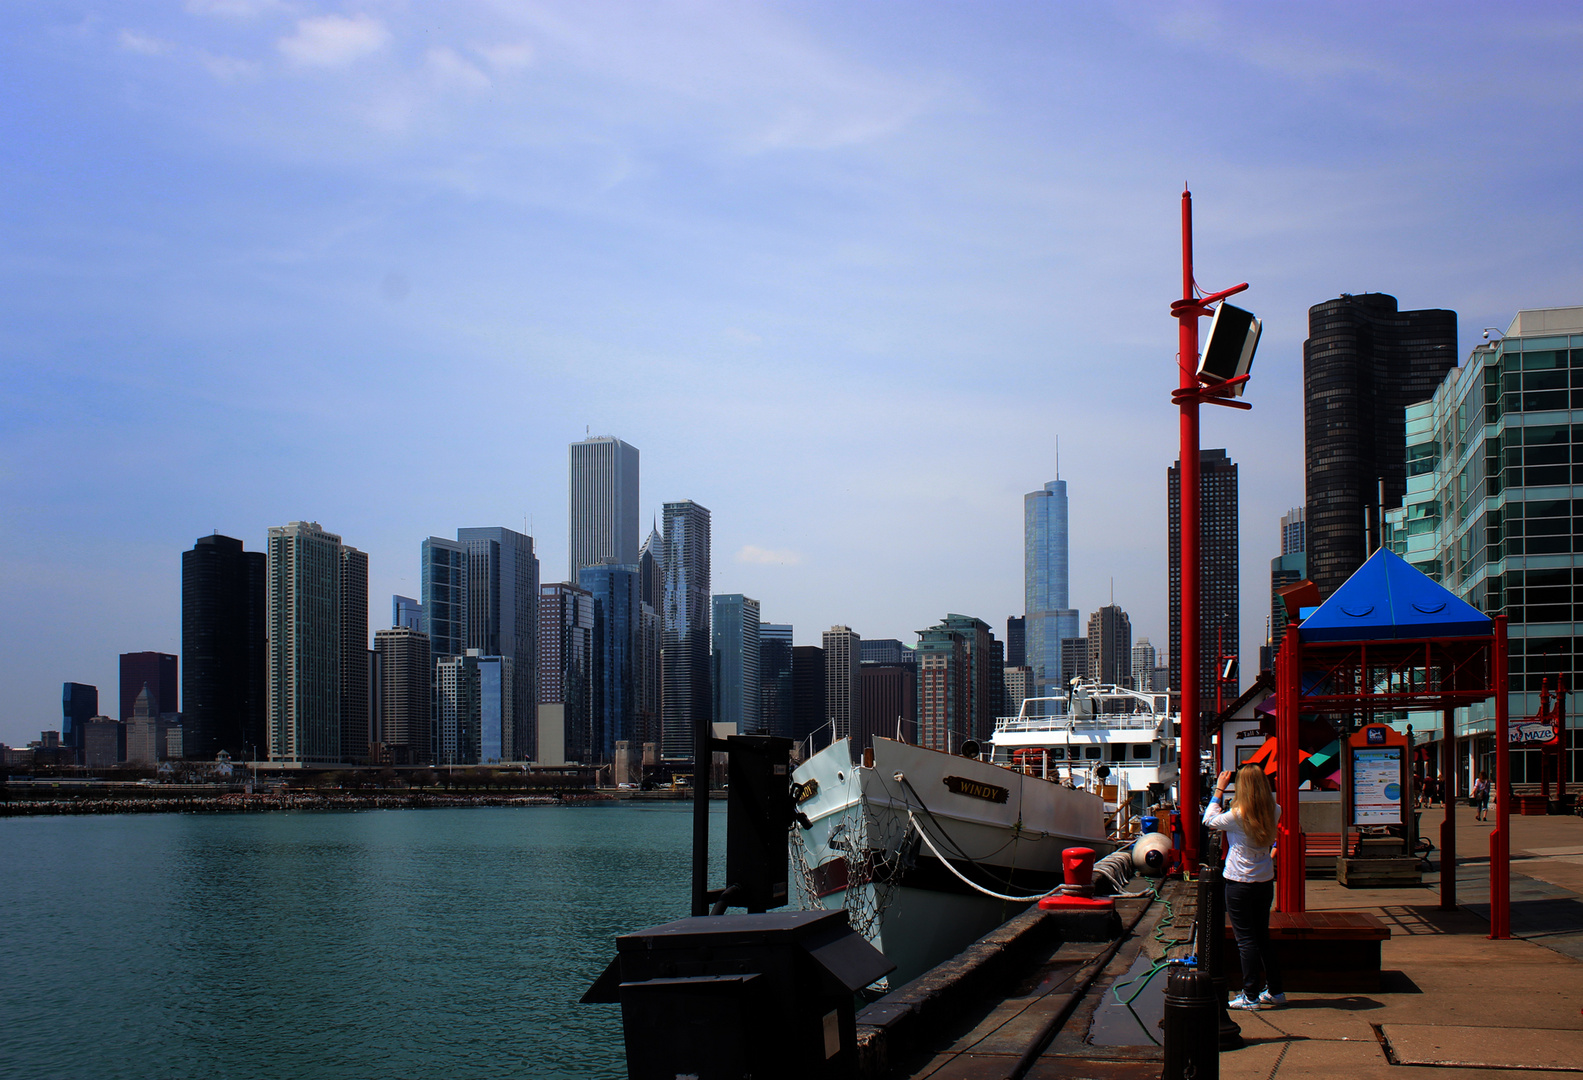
{"points": [[614, 683], [501, 619], [225, 663], [306, 566], [776, 703], [684, 628], [444, 606], [734, 631], [1048, 616]]}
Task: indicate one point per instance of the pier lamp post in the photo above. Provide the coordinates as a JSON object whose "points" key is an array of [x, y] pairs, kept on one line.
{"points": [[1215, 379]]}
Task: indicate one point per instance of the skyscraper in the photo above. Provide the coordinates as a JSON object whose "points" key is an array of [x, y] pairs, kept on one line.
{"points": [[458, 708], [406, 696], [809, 716], [961, 668], [157, 671], [443, 573], [501, 619], [305, 643], [405, 611], [566, 663], [776, 701], [1288, 568], [887, 693], [1144, 660], [842, 657], [1110, 646], [1364, 362], [1218, 594], [734, 632], [614, 668], [79, 704], [356, 719], [1048, 619], [687, 697], [602, 511], [225, 661], [1016, 641]]}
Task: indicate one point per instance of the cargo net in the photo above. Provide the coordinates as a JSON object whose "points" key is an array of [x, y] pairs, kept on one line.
{"points": [[875, 854]]}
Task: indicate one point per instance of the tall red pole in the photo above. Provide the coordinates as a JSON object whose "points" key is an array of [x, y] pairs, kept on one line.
{"points": [[1291, 870], [1187, 365], [1500, 836]]}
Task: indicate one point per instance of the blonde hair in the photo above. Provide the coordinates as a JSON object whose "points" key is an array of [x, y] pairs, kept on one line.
{"points": [[1255, 805]]}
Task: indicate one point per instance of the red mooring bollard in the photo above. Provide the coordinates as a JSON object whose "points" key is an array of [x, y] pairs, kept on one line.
{"points": [[1078, 892]]}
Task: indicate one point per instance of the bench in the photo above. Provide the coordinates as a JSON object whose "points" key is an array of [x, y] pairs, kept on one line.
{"points": [[1319, 950], [1325, 848]]}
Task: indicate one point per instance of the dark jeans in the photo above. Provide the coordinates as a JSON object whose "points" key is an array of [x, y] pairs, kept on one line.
{"points": [[1248, 908]]}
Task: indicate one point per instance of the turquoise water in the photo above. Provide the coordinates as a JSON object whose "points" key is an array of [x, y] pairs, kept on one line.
{"points": [[400, 943]]}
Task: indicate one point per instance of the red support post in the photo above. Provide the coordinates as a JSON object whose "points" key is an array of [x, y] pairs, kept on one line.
{"points": [[1448, 827], [1500, 836], [1187, 364], [1290, 872]]}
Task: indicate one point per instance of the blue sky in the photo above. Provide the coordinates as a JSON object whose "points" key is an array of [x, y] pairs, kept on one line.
{"points": [[842, 272]]}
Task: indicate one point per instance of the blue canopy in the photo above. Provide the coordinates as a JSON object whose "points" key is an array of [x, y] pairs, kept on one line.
{"points": [[1387, 598]]}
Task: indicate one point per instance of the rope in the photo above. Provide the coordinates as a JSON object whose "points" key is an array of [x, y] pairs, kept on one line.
{"points": [[963, 879]]}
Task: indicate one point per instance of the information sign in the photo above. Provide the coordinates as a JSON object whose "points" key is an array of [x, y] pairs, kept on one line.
{"points": [[1377, 785]]}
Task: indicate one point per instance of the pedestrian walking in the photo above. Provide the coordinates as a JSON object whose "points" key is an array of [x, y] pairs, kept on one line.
{"points": [[1250, 881], [1481, 797]]}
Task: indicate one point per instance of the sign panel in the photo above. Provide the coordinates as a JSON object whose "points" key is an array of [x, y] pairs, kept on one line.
{"points": [[977, 789], [1530, 733], [1377, 786]]}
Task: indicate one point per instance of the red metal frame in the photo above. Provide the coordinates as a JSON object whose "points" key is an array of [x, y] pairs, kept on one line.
{"points": [[1193, 389], [1386, 676]]}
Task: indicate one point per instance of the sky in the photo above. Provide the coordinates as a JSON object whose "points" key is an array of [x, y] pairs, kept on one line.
{"points": [[845, 273]]}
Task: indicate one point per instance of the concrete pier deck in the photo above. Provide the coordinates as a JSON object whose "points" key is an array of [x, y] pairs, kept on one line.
{"points": [[1451, 1002]]}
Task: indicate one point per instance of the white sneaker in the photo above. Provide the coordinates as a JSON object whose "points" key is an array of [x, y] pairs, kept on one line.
{"points": [[1268, 1000], [1241, 1002]]}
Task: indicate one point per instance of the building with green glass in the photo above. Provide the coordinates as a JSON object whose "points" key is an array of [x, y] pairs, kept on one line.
{"points": [[1494, 512]]}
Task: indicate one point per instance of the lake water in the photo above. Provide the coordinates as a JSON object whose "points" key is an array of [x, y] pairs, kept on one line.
{"points": [[401, 943]]}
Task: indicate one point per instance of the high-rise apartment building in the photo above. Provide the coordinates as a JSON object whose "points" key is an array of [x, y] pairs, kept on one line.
{"points": [[225, 659], [444, 577], [885, 651], [566, 663], [961, 667], [1110, 646], [614, 677], [809, 716], [734, 631], [1218, 559], [1144, 660], [687, 697], [887, 693], [1492, 459], [1074, 661], [1047, 620], [458, 708], [501, 619], [306, 639], [842, 657], [1016, 641], [1364, 362], [356, 715], [405, 611], [79, 704], [406, 697], [1018, 678], [155, 670], [602, 511], [776, 701], [1288, 568]]}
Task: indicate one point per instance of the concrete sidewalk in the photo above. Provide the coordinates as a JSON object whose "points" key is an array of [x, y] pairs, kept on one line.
{"points": [[1451, 999]]}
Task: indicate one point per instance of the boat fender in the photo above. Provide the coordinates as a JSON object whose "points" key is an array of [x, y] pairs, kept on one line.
{"points": [[1151, 855]]}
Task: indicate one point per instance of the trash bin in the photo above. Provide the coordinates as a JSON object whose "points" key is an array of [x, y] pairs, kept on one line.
{"points": [[729, 996]]}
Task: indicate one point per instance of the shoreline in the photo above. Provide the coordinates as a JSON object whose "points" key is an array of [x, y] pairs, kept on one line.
{"points": [[233, 803]]}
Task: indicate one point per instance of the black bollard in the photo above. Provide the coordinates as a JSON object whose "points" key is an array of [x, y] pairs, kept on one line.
{"points": [[1192, 1043], [1210, 943]]}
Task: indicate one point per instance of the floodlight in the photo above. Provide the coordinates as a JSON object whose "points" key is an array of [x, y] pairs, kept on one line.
{"points": [[1233, 337]]}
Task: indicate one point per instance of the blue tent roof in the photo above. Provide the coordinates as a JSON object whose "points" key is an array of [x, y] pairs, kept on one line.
{"points": [[1387, 598]]}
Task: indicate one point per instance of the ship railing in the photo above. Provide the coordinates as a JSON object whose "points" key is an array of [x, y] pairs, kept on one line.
{"points": [[1112, 721]]}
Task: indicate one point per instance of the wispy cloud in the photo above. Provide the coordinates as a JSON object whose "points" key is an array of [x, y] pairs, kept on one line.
{"points": [[132, 41], [334, 40], [758, 556]]}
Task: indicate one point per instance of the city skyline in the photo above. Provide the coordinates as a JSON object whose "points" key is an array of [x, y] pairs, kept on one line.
{"points": [[818, 228]]}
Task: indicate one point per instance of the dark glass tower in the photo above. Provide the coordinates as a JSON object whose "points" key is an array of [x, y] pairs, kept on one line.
{"points": [[1364, 362], [614, 668], [1218, 594], [155, 670], [224, 659], [79, 704], [686, 693]]}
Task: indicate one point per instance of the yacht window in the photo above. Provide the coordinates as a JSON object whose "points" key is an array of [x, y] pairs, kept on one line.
{"points": [[1092, 752], [1142, 751], [1118, 752], [1057, 753]]}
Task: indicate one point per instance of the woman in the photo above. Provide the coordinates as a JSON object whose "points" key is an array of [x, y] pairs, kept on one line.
{"points": [[1250, 881], [1481, 797]]}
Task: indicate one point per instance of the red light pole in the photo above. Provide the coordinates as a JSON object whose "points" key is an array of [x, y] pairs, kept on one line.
{"points": [[1193, 388]]}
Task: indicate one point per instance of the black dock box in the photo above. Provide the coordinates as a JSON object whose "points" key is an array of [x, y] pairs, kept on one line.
{"points": [[733, 996]]}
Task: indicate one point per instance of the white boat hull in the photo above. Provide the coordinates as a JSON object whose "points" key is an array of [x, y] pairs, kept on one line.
{"points": [[929, 851]]}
